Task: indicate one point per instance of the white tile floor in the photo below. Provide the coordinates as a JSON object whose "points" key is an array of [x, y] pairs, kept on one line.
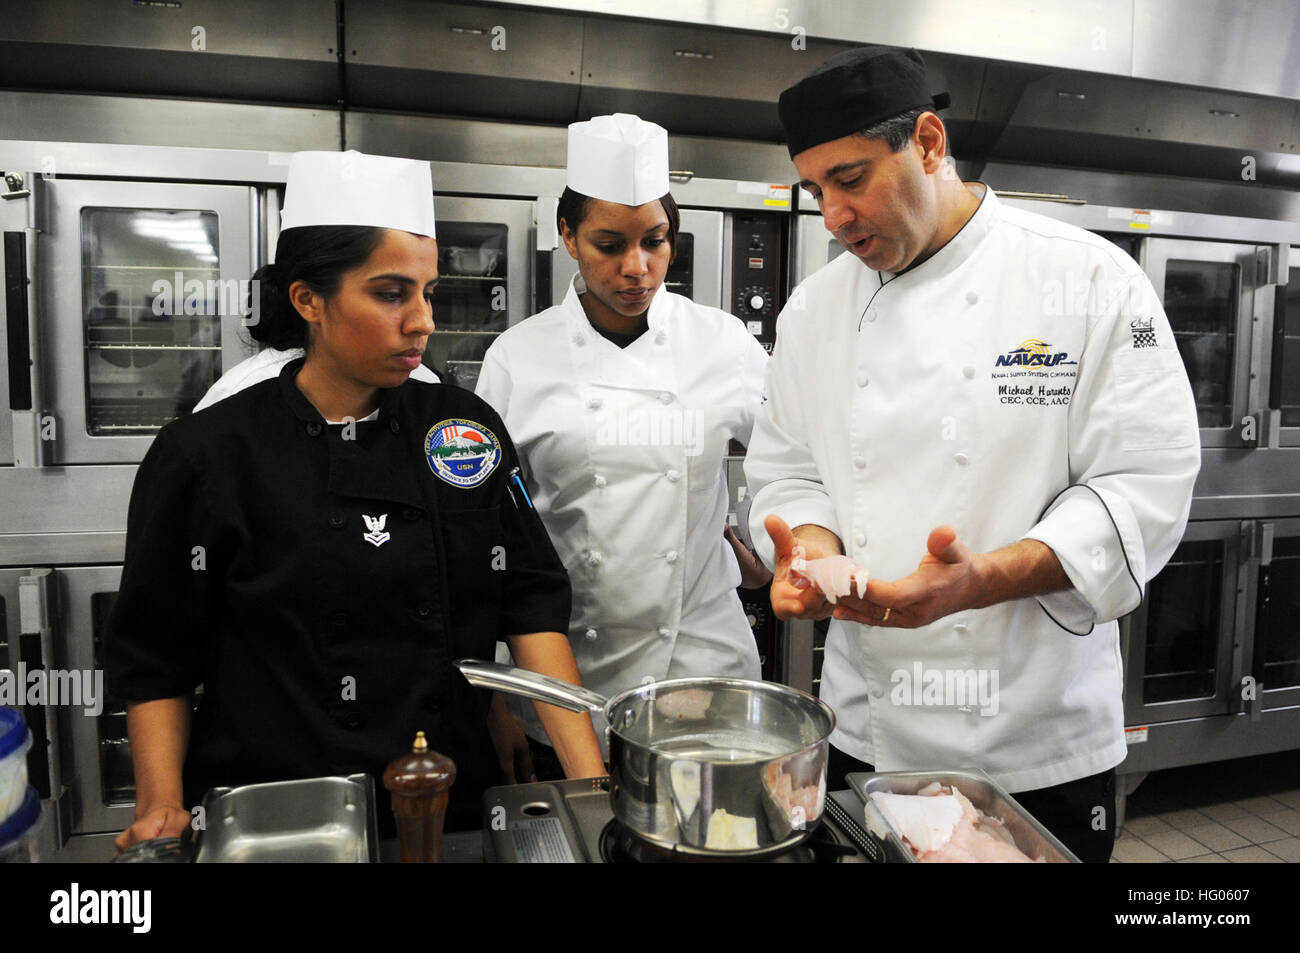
{"points": [[1242, 811]]}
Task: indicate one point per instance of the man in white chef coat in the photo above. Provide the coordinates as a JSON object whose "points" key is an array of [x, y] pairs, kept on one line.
{"points": [[986, 407]]}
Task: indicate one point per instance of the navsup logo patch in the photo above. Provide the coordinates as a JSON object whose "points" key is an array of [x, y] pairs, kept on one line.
{"points": [[1032, 353], [461, 452]]}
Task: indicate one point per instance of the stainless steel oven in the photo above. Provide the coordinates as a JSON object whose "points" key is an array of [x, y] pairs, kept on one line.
{"points": [[54, 620], [1179, 642], [1208, 290], [484, 267], [138, 293]]}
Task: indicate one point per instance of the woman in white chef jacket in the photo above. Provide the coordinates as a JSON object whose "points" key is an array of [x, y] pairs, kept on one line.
{"points": [[621, 401]]}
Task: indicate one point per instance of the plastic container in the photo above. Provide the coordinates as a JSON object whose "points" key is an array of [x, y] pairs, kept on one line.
{"points": [[18, 835], [15, 740]]}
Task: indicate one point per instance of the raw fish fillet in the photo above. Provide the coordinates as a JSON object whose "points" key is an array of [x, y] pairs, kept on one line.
{"points": [[946, 828], [834, 576], [801, 805]]}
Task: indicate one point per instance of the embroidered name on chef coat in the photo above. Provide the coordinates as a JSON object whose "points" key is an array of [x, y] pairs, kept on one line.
{"points": [[461, 452], [1035, 374]]}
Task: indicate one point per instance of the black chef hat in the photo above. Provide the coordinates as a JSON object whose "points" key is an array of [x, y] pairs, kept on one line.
{"points": [[853, 90]]}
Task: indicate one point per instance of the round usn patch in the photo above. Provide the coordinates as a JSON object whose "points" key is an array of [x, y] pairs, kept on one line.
{"points": [[461, 452]]}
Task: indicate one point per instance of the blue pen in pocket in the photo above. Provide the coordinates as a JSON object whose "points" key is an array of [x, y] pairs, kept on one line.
{"points": [[514, 478]]}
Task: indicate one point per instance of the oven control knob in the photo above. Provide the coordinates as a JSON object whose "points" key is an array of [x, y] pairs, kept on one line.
{"points": [[756, 302]]}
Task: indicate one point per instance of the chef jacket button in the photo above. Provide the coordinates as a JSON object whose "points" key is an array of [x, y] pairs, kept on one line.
{"points": [[862, 378], [337, 519], [314, 428], [599, 481], [961, 628], [353, 720], [424, 610], [665, 398], [671, 556], [661, 338], [393, 425], [590, 634], [594, 558], [961, 459], [672, 475], [969, 371], [872, 314], [860, 540], [877, 693], [579, 340], [410, 513], [860, 462], [340, 620], [971, 297], [664, 631], [594, 403]]}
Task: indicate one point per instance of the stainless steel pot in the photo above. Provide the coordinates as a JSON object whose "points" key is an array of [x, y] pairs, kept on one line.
{"points": [[702, 765]]}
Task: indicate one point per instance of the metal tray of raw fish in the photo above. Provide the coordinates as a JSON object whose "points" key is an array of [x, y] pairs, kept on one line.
{"points": [[313, 820], [1033, 839]]}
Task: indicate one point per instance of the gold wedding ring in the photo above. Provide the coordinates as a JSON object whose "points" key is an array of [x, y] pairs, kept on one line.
{"points": [[885, 617]]}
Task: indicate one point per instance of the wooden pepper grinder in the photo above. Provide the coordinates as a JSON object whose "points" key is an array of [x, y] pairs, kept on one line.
{"points": [[420, 782]]}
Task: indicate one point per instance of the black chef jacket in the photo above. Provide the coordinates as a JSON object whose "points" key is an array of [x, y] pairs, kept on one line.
{"points": [[319, 587]]}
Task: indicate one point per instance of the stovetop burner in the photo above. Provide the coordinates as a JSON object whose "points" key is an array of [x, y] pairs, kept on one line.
{"points": [[572, 821], [618, 845]]}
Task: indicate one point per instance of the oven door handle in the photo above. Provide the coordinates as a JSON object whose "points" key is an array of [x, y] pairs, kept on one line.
{"points": [[33, 430]]}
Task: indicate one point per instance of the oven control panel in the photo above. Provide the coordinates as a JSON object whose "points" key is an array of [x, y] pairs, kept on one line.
{"points": [[756, 255]]}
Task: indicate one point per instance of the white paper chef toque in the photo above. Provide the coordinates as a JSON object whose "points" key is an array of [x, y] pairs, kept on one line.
{"points": [[619, 158], [351, 188]]}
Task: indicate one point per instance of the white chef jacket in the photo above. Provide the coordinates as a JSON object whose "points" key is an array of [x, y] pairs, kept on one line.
{"points": [[1022, 383], [625, 452], [266, 364]]}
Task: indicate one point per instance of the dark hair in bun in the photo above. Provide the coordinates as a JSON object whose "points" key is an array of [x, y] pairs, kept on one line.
{"points": [[572, 209], [317, 255]]}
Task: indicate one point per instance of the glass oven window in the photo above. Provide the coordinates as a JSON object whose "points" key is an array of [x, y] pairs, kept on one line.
{"points": [[1182, 637], [115, 769], [1280, 638], [470, 304], [1291, 352], [153, 300], [1201, 299], [681, 273]]}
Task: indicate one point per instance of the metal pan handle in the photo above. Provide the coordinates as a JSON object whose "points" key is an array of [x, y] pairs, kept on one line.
{"points": [[542, 688]]}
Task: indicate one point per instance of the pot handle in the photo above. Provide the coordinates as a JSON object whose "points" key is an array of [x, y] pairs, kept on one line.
{"points": [[542, 688]]}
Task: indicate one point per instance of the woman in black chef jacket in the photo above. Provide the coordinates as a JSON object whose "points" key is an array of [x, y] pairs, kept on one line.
{"points": [[318, 549]]}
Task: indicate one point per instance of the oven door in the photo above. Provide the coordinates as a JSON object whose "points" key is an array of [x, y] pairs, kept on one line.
{"points": [[1276, 656], [695, 273], [1208, 290], [99, 775], [484, 258], [142, 292], [1284, 381], [1179, 642]]}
